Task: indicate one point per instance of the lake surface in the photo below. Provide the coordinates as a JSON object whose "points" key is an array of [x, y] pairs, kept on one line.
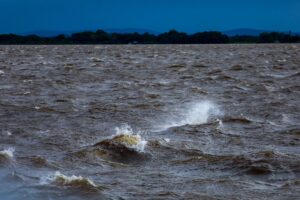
{"points": [[204, 122]]}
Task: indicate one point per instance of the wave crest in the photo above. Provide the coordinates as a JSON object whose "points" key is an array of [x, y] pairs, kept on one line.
{"points": [[60, 179], [126, 136], [7, 153]]}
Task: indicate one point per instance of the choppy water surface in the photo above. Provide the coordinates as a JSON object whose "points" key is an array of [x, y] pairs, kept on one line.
{"points": [[200, 122]]}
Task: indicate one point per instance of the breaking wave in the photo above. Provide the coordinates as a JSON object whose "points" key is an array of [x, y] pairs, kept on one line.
{"points": [[7, 153], [60, 179], [124, 140], [126, 136]]}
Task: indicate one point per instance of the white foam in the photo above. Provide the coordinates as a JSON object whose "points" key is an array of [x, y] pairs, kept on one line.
{"points": [[281, 60], [220, 123], [286, 118], [1, 72], [167, 140], [125, 129], [61, 179], [8, 153], [194, 113]]}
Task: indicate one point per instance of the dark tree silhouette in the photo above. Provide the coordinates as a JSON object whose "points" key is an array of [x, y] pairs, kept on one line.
{"points": [[171, 37], [212, 37]]}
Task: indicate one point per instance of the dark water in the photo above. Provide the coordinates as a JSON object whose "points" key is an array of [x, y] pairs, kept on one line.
{"points": [[210, 122]]}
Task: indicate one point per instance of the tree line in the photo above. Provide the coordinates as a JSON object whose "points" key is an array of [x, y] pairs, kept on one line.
{"points": [[171, 37]]}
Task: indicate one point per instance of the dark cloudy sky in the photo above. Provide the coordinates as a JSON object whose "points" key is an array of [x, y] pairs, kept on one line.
{"points": [[159, 15]]}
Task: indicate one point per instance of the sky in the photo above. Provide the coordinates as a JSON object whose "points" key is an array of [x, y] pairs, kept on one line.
{"points": [[19, 16]]}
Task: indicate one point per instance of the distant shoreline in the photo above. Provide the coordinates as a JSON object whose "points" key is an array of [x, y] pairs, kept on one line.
{"points": [[220, 44], [171, 37]]}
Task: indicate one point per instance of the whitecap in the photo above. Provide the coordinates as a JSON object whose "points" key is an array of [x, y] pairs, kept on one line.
{"points": [[126, 130], [62, 180], [220, 124], [27, 92], [167, 140], [8, 153]]}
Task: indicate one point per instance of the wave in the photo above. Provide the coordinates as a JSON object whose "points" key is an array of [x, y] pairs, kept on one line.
{"points": [[237, 119], [291, 183], [176, 66], [7, 154], [292, 131], [259, 163], [60, 179], [125, 138], [41, 162], [296, 74], [194, 113], [236, 68], [124, 147]]}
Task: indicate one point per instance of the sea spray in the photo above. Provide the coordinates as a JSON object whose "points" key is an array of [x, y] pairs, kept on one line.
{"points": [[199, 113], [194, 113], [124, 129]]}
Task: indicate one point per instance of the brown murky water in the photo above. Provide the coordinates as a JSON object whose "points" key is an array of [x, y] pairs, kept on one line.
{"points": [[150, 122]]}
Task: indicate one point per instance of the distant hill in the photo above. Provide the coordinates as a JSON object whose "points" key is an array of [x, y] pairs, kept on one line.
{"points": [[50, 33], [131, 30]]}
